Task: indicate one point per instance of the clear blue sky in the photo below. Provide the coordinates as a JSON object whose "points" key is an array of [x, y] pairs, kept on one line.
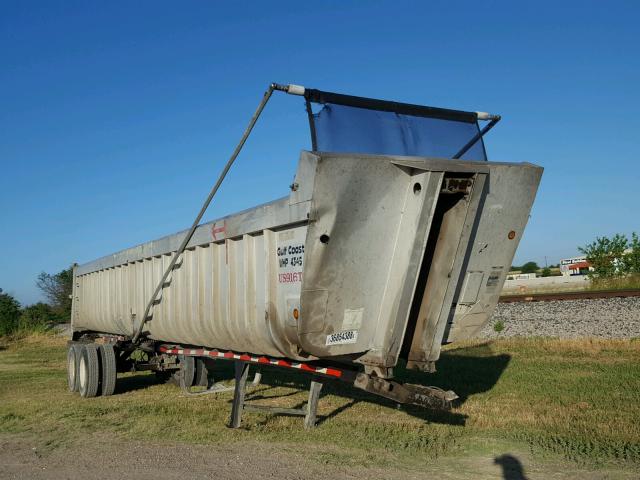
{"points": [[115, 117]]}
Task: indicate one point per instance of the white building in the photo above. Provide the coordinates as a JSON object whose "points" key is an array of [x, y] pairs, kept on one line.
{"points": [[575, 266]]}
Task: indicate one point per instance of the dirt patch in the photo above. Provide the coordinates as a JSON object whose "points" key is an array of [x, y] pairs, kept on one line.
{"points": [[105, 457]]}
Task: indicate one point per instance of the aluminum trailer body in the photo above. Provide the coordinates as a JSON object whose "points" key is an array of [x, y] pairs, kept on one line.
{"points": [[369, 259]]}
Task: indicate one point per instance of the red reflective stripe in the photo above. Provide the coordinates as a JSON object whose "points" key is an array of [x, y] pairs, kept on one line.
{"points": [[248, 358]]}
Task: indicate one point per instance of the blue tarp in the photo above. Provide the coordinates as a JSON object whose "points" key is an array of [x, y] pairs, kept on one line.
{"points": [[342, 128]]}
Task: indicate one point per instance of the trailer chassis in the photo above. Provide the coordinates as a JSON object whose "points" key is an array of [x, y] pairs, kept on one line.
{"points": [[169, 358], [428, 397]]}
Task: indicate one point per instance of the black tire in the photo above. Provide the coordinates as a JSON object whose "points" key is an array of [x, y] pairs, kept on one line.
{"points": [[73, 364], [201, 377], [89, 371], [107, 369], [187, 369]]}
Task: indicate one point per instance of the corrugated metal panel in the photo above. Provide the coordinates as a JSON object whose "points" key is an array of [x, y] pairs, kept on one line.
{"points": [[357, 225], [224, 294]]}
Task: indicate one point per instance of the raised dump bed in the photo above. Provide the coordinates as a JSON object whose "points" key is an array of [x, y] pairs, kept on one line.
{"points": [[370, 259]]}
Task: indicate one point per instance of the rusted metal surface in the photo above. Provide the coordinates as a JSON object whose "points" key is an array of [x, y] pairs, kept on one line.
{"points": [[429, 397], [586, 295]]}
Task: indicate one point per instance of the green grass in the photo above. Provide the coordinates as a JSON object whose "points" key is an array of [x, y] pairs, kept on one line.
{"points": [[629, 282], [578, 399]]}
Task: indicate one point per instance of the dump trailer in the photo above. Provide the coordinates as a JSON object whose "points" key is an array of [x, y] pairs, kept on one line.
{"points": [[396, 238]]}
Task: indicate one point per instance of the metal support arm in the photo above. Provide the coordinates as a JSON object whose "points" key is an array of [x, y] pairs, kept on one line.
{"points": [[493, 119], [291, 89]]}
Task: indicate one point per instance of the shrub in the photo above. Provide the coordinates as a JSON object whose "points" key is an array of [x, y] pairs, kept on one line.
{"points": [[498, 326], [613, 257], [37, 316], [632, 259], [9, 314]]}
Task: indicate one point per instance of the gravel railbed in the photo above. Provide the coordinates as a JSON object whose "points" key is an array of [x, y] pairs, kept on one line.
{"points": [[602, 317]]}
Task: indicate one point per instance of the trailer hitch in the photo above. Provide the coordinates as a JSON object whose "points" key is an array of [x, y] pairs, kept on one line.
{"points": [[429, 397]]}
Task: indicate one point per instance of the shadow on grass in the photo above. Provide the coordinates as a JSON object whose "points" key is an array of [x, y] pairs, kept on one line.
{"points": [[467, 371], [136, 382], [512, 468]]}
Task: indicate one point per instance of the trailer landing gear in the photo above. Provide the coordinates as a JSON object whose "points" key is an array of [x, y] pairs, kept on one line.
{"points": [[309, 411]]}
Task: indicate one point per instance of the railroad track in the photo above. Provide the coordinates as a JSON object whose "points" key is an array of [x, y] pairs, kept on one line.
{"points": [[585, 295]]}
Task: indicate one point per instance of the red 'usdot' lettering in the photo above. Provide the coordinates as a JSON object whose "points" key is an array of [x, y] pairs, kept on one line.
{"points": [[290, 277]]}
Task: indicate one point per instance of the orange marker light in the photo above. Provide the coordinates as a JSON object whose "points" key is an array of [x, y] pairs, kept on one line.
{"points": [[296, 313]]}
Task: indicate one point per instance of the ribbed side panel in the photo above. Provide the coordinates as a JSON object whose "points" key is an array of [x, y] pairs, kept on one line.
{"points": [[221, 295]]}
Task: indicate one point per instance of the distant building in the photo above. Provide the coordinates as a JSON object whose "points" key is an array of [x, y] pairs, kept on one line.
{"points": [[575, 266], [520, 276]]}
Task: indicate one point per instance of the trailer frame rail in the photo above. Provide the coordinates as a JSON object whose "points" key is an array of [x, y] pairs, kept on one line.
{"points": [[347, 375]]}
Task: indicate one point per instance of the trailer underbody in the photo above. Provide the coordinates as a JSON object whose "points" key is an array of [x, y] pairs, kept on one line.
{"points": [[182, 364]]}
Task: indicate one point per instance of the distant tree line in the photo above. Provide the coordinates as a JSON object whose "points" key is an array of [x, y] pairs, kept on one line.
{"points": [[57, 290], [615, 258], [529, 267], [532, 267]]}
